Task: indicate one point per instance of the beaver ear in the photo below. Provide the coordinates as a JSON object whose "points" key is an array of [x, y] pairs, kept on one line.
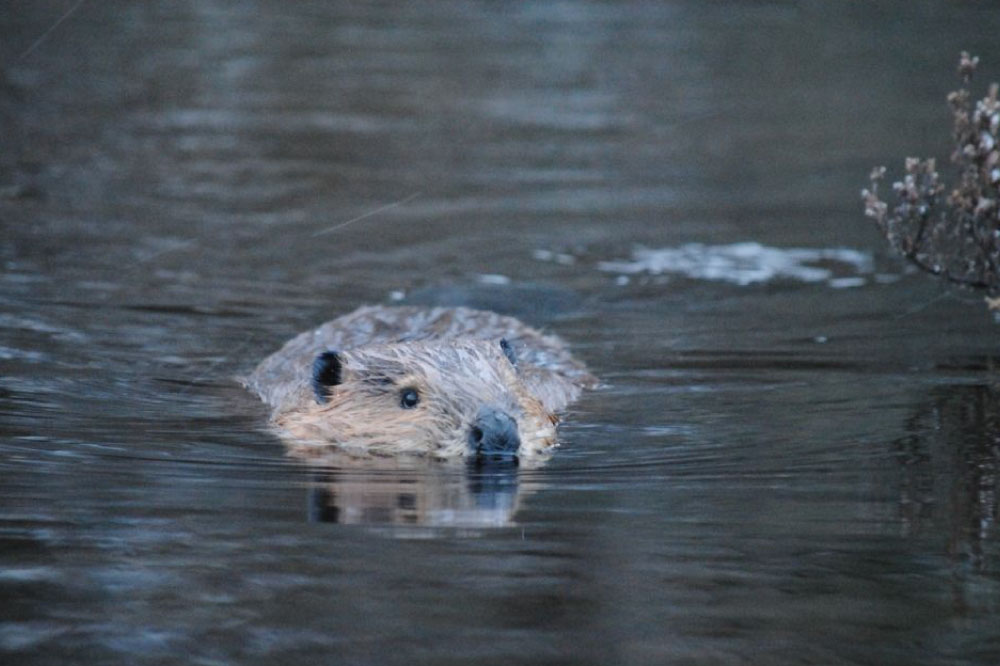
{"points": [[325, 373], [508, 351]]}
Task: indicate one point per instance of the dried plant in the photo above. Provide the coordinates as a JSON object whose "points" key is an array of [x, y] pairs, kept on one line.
{"points": [[954, 235]]}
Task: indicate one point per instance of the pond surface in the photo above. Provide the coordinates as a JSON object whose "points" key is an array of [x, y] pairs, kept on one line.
{"points": [[792, 458]]}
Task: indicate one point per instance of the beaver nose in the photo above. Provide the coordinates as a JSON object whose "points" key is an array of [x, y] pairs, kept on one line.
{"points": [[494, 432]]}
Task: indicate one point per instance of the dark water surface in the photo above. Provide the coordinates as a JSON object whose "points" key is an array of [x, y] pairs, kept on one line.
{"points": [[794, 455]]}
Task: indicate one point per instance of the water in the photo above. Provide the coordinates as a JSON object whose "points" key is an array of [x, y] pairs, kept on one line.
{"points": [[800, 468]]}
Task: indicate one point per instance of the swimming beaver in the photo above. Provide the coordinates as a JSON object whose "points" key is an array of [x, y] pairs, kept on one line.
{"points": [[446, 382]]}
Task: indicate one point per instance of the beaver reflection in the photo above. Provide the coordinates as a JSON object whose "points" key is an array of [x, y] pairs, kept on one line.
{"points": [[951, 464], [426, 493]]}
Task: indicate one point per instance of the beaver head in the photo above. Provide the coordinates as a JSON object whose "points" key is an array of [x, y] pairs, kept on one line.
{"points": [[443, 398]]}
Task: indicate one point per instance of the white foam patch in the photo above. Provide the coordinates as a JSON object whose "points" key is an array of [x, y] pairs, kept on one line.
{"points": [[493, 279], [749, 263]]}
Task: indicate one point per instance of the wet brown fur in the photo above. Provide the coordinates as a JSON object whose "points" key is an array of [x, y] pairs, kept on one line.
{"points": [[450, 356]]}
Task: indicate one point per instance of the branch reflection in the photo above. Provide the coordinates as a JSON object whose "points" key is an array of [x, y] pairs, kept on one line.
{"points": [[950, 460]]}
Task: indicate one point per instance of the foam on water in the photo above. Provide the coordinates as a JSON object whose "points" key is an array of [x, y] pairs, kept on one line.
{"points": [[749, 263]]}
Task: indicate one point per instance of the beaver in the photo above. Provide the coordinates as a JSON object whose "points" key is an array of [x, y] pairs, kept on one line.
{"points": [[443, 382]]}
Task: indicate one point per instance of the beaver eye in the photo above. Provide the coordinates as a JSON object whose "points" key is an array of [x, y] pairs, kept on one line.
{"points": [[408, 398]]}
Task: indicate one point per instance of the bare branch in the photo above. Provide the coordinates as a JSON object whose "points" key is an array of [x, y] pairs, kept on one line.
{"points": [[956, 236]]}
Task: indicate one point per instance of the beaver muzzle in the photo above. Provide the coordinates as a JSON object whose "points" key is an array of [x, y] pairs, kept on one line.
{"points": [[494, 433]]}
